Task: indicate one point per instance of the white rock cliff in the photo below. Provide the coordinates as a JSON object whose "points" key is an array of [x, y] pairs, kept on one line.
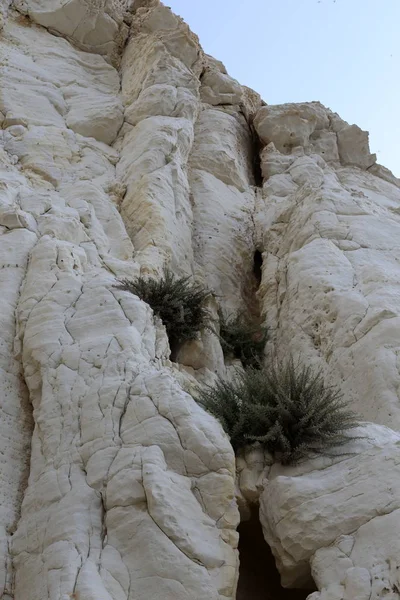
{"points": [[124, 149]]}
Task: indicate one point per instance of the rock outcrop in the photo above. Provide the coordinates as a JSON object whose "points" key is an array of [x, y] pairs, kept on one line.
{"points": [[329, 233], [321, 511], [125, 149]]}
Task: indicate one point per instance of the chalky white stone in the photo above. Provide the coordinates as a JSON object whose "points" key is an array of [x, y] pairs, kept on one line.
{"points": [[107, 174]]}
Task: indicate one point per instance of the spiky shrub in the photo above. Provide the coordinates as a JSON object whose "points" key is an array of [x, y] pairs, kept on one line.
{"points": [[286, 407], [243, 339], [178, 302]]}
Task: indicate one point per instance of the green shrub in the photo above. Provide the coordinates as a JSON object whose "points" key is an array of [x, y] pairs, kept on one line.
{"points": [[285, 407], [178, 303], [242, 339]]}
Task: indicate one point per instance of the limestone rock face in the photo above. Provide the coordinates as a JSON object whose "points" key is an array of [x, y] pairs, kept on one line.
{"points": [[290, 125], [342, 513], [115, 484], [327, 218], [330, 273], [96, 26], [131, 485]]}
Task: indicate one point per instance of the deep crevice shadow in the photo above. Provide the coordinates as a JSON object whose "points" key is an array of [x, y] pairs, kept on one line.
{"points": [[257, 147], [174, 347], [250, 287], [259, 578], [257, 266]]}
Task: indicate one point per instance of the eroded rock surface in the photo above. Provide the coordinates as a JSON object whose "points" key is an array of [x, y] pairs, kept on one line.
{"points": [[331, 257], [109, 173], [342, 515], [96, 26], [131, 486]]}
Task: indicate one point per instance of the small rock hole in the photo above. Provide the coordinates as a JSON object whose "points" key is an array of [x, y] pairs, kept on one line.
{"points": [[174, 347], [257, 266]]}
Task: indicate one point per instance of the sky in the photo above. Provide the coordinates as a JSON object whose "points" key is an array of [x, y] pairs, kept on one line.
{"points": [[344, 53]]}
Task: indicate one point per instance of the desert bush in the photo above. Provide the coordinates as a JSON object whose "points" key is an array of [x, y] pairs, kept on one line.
{"points": [[176, 300], [243, 339], [285, 406]]}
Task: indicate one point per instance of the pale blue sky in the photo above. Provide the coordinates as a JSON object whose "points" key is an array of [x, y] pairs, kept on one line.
{"points": [[345, 53]]}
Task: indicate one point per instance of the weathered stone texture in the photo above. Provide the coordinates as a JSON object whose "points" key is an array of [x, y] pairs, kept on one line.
{"points": [[128, 475], [106, 174], [331, 272], [326, 510]]}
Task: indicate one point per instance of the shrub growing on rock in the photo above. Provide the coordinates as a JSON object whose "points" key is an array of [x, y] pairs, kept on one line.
{"points": [[178, 302], [285, 406], [243, 339]]}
